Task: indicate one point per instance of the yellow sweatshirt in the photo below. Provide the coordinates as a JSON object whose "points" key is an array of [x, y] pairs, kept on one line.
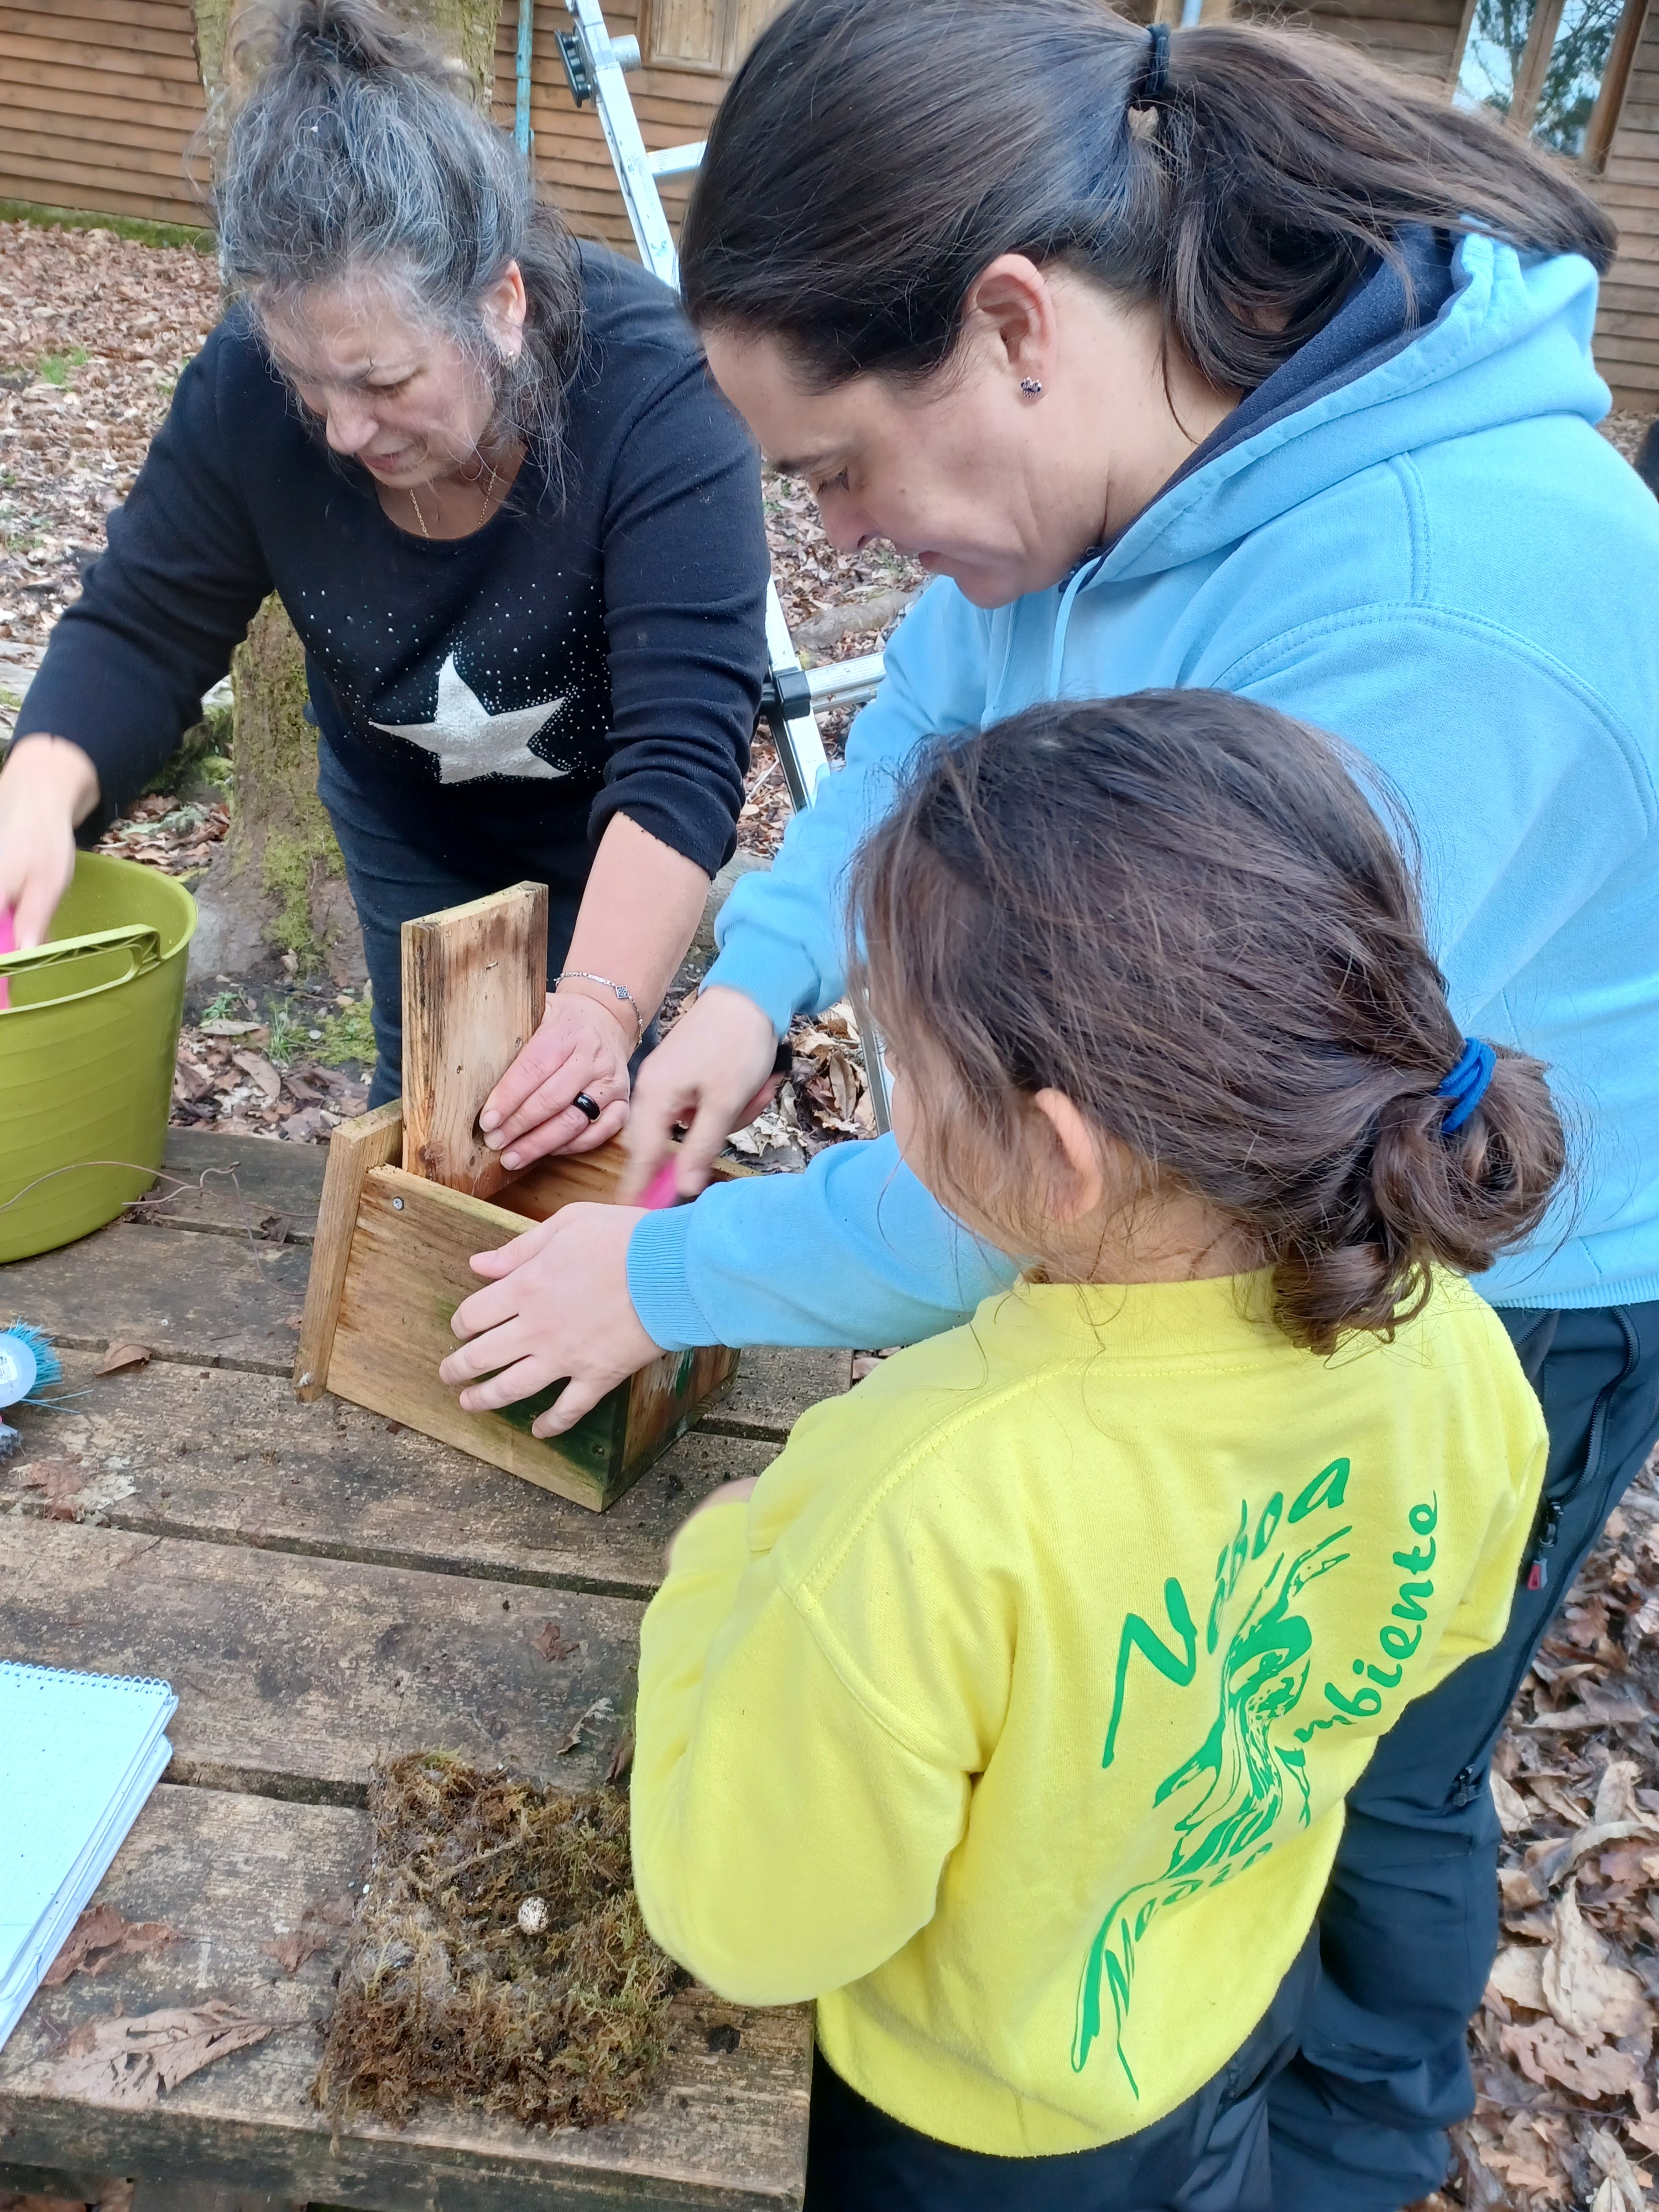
{"points": [[1012, 1717]]}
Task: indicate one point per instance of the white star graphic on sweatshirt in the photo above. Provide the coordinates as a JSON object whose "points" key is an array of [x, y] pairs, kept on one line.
{"points": [[470, 741]]}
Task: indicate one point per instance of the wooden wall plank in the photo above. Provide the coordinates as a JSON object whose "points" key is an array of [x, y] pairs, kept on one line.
{"points": [[104, 99], [161, 42], [135, 147], [1626, 342], [28, 42]]}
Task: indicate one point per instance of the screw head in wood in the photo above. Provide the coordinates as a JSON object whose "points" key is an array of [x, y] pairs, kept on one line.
{"points": [[397, 1205]]}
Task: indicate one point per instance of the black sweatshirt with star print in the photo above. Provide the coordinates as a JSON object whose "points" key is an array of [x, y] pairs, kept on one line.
{"points": [[498, 697]]}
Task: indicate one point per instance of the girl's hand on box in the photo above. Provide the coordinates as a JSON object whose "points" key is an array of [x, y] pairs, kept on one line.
{"points": [[556, 1306]]}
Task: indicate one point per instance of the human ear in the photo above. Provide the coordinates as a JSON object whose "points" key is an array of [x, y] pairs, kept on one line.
{"points": [[1010, 309], [1080, 1178], [504, 308]]}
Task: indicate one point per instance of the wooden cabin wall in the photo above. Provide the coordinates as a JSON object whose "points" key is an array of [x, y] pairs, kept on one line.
{"points": [[572, 167], [99, 101], [1627, 326], [1422, 37]]}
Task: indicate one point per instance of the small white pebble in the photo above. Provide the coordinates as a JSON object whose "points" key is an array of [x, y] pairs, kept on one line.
{"points": [[532, 1916]]}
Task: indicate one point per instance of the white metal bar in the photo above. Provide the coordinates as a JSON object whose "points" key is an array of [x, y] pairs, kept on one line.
{"points": [[621, 135], [678, 160], [846, 683]]}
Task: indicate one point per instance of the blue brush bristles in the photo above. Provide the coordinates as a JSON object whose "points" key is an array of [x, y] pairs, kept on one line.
{"points": [[48, 1367], [27, 1360]]}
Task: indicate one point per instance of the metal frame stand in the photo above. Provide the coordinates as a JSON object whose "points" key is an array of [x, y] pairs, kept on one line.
{"points": [[594, 65]]}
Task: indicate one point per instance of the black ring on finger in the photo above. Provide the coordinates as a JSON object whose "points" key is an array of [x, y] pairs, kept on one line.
{"points": [[584, 1105]]}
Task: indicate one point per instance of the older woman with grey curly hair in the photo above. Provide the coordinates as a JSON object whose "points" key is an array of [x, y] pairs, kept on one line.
{"points": [[518, 532]]}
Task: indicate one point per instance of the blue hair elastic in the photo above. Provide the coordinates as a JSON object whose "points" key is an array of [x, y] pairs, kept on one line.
{"points": [[1465, 1086]]}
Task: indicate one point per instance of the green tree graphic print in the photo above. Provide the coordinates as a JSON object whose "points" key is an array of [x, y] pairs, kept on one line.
{"points": [[1242, 1785]]}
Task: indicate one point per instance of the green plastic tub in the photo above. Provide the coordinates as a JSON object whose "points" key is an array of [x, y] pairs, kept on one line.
{"points": [[86, 1053]]}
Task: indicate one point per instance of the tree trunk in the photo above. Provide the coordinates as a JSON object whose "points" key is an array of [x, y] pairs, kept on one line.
{"points": [[466, 27], [279, 883]]}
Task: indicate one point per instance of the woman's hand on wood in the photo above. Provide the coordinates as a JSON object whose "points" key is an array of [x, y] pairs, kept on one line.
{"points": [[582, 1049], [713, 1072], [46, 787], [556, 1305]]}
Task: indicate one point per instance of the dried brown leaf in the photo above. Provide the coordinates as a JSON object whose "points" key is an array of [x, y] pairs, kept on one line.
{"points": [[133, 2062], [124, 1355], [1518, 1975], [259, 1070], [1591, 1996], [551, 1643], [1514, 1815], [1546, 2052], [59, 1479], [100, 1935]]}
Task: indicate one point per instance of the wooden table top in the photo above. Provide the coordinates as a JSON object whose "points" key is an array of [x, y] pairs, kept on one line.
{"points": [[323, 1589]]}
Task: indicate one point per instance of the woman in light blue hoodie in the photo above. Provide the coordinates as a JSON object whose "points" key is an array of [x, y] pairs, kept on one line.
{"points": [[1216, 359]]}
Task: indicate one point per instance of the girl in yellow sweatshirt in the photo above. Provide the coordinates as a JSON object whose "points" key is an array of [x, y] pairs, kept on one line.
{"points": [[1011, 1716]]}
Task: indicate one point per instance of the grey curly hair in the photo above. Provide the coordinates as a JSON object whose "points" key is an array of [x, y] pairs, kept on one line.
{"points": [[358, 148]]}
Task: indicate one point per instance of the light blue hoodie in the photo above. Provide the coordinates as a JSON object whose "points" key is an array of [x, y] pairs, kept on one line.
{"points": [[1438, 559]]}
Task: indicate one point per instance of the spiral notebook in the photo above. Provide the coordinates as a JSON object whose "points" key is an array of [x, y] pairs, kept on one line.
{"points": [[79, 1754]]}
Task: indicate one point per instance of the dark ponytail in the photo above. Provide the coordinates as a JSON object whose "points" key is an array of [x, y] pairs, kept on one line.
{"points": [[1213, 947], [871, 158]]}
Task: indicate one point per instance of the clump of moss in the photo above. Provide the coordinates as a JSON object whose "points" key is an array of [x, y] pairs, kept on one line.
{"points": [[446, 1994]]}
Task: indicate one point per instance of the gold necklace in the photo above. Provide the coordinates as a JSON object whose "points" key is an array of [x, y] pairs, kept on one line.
{"points": [[419, 517]]}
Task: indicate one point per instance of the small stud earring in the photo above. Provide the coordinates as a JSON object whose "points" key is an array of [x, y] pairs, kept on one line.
{"points": [[1031, 386]]}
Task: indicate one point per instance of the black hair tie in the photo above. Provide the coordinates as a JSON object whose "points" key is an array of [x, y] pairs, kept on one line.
{"points": [[1156, 81]]}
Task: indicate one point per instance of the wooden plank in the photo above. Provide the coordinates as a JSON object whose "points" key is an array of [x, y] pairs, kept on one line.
{"points": [[216, 1301], [229, 1186], [172, 16], [46, 187], [724, 2129], [356, 1147], [102, 91], [773, 1387], [23, 45], [474, 990], [35, 125], [295, 1673], [65, 184], [233, 1458], [98, 153], [165, 46], [407, 1273]]}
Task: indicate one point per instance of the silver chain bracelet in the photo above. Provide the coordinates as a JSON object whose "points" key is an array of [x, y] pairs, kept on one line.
{"points": [[618, 990]]}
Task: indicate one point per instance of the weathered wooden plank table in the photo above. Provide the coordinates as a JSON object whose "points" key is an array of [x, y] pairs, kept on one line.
{"points": [[324, 1589]]}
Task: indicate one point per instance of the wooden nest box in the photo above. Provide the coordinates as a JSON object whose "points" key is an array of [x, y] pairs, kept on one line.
{"points": [[411, 1192]]}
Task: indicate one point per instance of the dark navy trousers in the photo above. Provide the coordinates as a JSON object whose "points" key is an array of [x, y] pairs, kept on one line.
{"points": [[1409, 1924], [391, 883], [1210, 2154]]}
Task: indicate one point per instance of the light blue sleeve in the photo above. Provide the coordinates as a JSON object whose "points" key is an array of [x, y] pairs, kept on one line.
{"points": [[854, 1251], [1523, 788], [782, 933]]}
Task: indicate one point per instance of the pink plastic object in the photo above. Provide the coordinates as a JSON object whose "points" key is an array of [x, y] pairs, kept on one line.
{"points": [[660, 1191], [8, 944]]}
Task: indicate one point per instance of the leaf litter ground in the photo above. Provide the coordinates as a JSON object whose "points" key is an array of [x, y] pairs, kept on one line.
{"points": [[93, 332]]}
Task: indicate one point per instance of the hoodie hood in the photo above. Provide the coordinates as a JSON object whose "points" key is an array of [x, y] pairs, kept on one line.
{"points": [[1511, 341]]}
